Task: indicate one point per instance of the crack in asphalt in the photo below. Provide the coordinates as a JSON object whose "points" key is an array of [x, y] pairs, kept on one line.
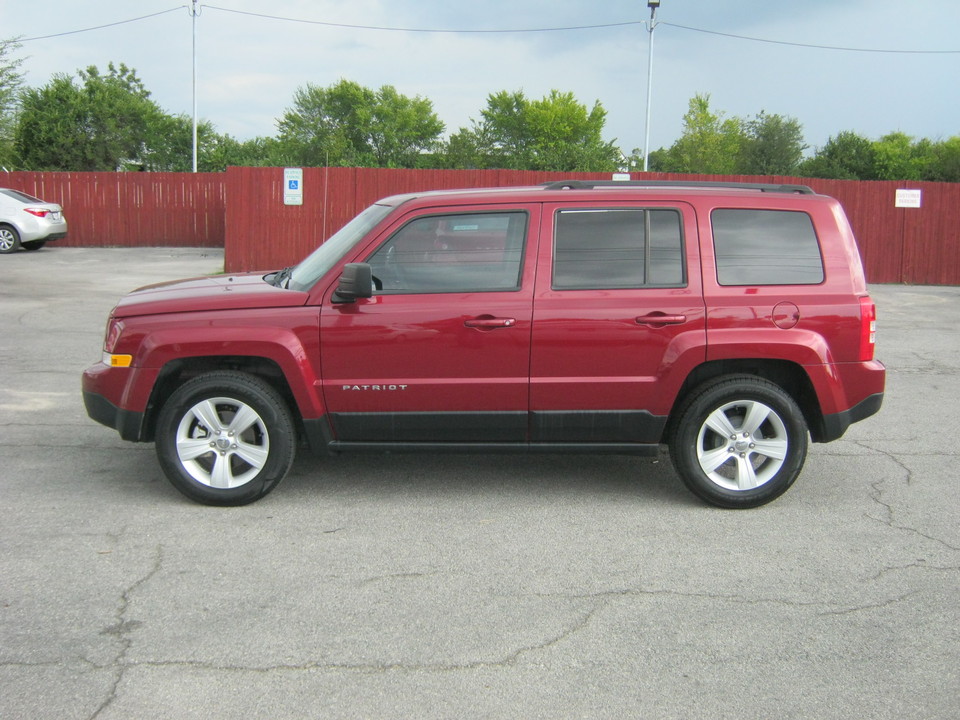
{"points": [[507, 660], [889, 512], [602, 600], [123, 627], [920, 564]]}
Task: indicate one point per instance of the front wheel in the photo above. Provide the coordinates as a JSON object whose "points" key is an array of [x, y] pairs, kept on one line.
{"points": [[35, 245], [740, 442], [225, 438]]}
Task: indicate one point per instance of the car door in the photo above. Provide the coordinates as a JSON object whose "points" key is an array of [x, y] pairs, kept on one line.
{"points": [[441, 352], [618, 321]]}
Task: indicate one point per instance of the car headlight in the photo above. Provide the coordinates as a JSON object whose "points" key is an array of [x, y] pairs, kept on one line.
{"points": [[114, 331]]}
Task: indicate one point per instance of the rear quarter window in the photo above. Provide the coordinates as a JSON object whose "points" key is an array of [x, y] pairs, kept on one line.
{"points": [[766, 247]]}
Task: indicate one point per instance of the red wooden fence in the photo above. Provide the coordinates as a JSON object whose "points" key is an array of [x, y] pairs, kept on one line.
{"points": [[105, 209], [242, 210]]}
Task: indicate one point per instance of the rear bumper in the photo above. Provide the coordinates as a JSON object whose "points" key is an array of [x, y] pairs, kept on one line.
{"points": [[43, 232], [836, 424], [847, 393]]}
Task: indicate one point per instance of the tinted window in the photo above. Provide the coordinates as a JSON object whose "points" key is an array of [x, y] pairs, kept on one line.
{"points": [[608, 249], [22, 197], [766, 247], [453, 253]]}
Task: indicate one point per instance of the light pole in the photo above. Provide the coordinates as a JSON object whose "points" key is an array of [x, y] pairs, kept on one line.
{"points": [[194, 11], [653, 5]]}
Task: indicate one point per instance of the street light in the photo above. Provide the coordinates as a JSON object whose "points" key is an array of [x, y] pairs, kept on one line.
{"points": [[194, 12], [653, 5]]}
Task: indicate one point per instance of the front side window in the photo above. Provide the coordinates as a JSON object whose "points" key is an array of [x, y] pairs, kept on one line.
{"points": [[617, 248], [766, 247], [472, 252]]}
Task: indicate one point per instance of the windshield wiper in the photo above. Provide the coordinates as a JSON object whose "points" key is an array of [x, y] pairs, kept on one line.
{"points": [[282, 278]]}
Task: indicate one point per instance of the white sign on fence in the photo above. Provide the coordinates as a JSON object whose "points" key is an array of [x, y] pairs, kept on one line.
{"points": [[908, 198], [293, 186]]}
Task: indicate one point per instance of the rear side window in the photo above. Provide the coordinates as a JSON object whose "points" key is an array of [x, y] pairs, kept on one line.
{"points": [[617, 248], [766, 247], [473, 252], [17, 195]]}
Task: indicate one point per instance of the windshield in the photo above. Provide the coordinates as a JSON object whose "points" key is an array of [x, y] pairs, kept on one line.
{"points": [[321, 260]]}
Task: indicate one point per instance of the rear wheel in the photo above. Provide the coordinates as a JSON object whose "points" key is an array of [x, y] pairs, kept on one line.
{"points": [[740, 442], [225, 438], [9, 239]]}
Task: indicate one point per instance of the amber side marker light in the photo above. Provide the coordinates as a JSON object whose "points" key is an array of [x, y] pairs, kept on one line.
{"points": [[117, 360]]}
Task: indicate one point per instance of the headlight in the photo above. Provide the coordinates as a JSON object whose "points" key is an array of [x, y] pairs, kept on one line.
{"points": [[114, 329]]}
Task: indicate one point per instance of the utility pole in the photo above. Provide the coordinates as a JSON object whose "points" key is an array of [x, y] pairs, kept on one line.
{"points": [[653, 5], [194, 12]]}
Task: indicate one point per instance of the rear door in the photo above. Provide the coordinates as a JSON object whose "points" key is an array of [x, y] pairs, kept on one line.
{"points": [[618, 322], [441, 353]]}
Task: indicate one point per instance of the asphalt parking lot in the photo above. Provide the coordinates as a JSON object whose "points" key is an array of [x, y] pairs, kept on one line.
{"points": [[466, 586]]}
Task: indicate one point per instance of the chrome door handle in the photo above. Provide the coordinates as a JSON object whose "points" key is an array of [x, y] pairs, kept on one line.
{"points": [[490, 323]]}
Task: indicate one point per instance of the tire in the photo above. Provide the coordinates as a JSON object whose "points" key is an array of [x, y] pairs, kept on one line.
{"points": [[225, 438], [35, 245], [9, 239], [740, 442]]}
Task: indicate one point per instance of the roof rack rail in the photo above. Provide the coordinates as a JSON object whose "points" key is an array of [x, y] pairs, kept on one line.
{"points": [[591, 184]]}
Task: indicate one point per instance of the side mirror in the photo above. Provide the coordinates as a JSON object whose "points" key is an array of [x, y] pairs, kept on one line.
{"points": [[356, 281]]}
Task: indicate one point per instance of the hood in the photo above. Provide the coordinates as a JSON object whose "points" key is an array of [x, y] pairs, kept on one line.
{"points": [[220, 292]]}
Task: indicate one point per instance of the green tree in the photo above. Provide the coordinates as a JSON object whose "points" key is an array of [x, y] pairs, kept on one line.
{"points": [[943, 163], [224, 151], [554, 133], [709, 144], [772, 145], [847, 156], [898, 157], [462, 151], [11, 80], [351, 125], [168, 144], [100, 124]]}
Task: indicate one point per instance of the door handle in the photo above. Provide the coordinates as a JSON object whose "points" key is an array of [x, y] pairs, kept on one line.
{"points": [[490, 323], [658, 319]]}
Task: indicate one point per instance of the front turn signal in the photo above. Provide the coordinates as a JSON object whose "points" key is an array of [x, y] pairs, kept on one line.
{"points": [[114, 360]]}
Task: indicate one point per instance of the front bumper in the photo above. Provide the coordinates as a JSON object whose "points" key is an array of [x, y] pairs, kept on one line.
{"points": [[117, 397], [126, 422]]}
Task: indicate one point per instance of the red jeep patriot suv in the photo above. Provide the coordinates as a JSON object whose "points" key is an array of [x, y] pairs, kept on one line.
{"points": [[729, 322]]}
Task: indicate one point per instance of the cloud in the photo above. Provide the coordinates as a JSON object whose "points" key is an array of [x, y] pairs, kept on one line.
{"points": [[250, 67]]}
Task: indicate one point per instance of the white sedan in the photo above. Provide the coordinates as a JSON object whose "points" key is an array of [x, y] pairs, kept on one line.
{"points": [[28, 222]]}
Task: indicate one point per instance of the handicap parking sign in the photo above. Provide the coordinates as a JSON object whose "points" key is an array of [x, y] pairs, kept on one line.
{"points": [[293, 186]]}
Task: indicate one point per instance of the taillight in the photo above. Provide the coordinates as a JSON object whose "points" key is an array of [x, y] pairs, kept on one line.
{"points": [[868, 329], [38, 212]]}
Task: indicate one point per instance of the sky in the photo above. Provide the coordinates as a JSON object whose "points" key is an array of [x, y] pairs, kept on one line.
{"points": [[812, 60]]}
